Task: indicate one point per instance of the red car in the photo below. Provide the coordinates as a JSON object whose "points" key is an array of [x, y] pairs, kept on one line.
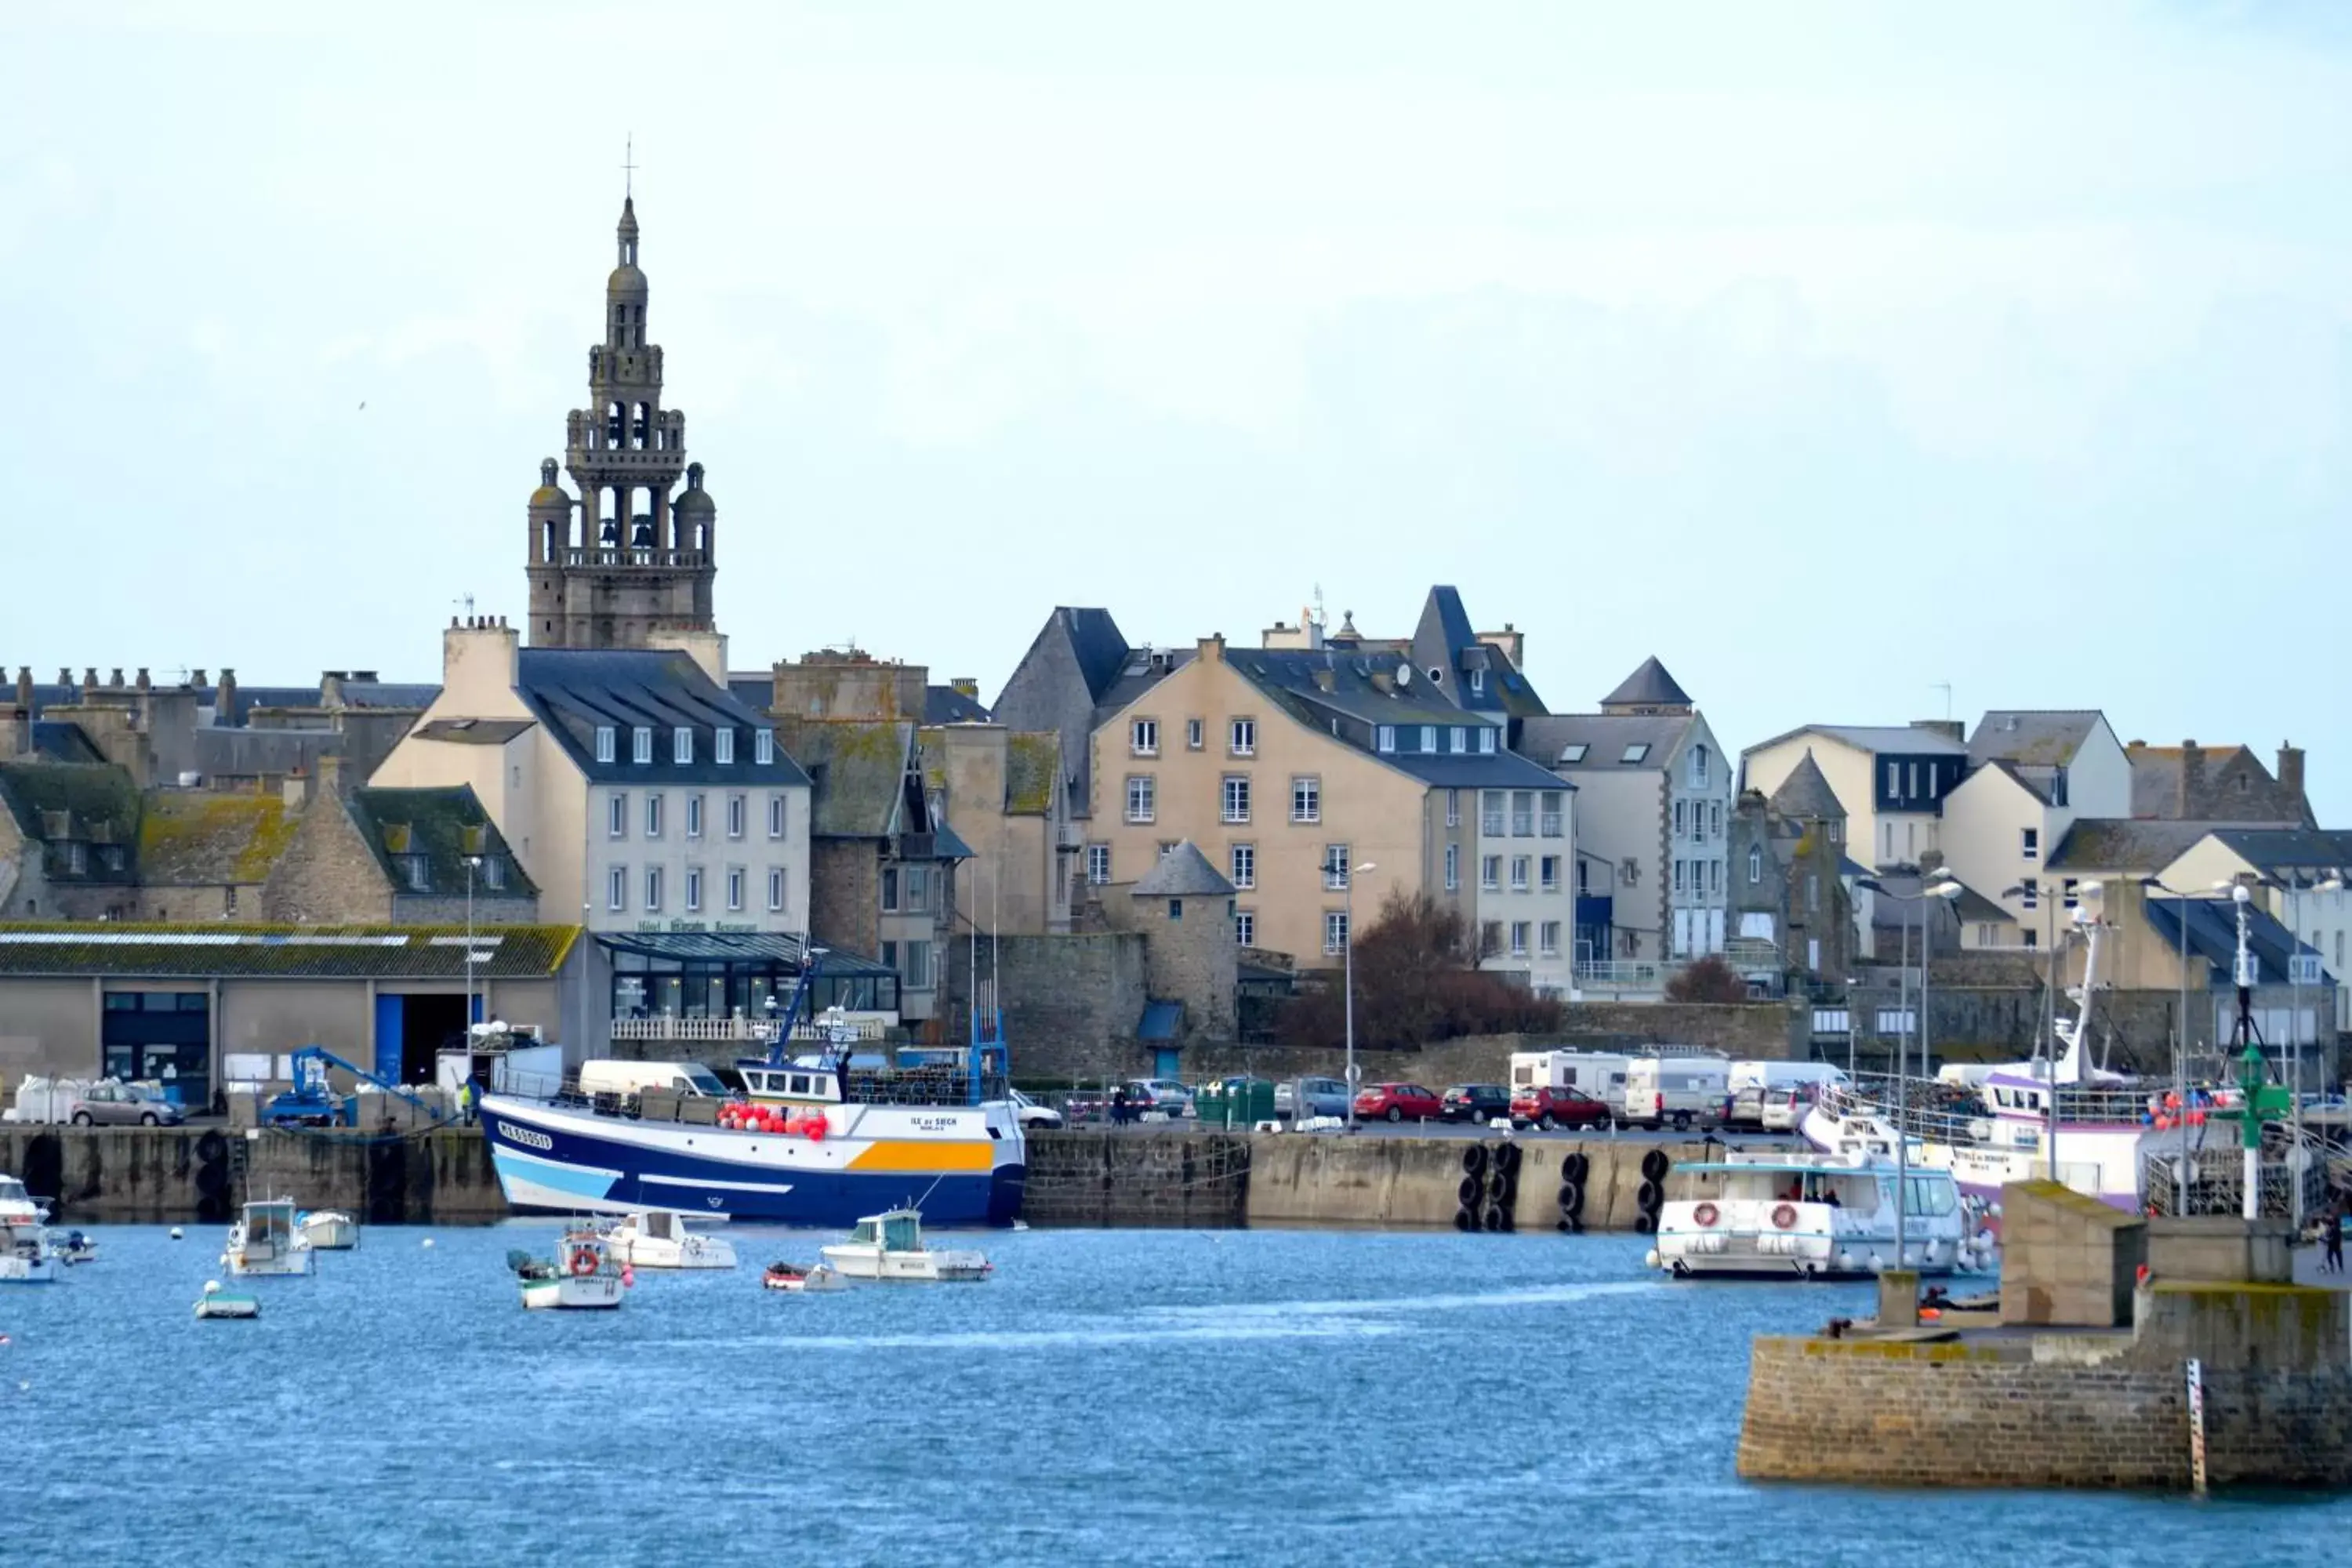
{"points": [[1395, 1101], [1550, 1108]]}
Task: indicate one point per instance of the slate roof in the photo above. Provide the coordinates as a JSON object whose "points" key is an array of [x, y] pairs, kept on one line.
{"points": [[61, 742], [859, 771], [2289, 849], [445, 825], [1805, 794], [2040, 781], [2033, 737], [1294, 678], [92, 801], [1061, 684], [946, 705], [1183, 872], [575, 690], [1908, 740], [261, 753], [1649, 687], [1605, 738], [474, 732], [2156, 781], [334, 952], [389, 694], [190, 839], [1445, 641], [2213, 937], [2124, 844]]}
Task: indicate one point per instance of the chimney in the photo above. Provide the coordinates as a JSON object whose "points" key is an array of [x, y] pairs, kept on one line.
{"points": [[225, 698], [328, 773], [117, 681], [64, 678], [1211, 649], [2192, 782], [90, 679], [294, 789], [25, 688], [966, 686], [2290, 768], [197, 677], [144, 683]]}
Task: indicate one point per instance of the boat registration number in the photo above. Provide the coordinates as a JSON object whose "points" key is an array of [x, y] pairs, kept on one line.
{"points": [[525, 1136]]}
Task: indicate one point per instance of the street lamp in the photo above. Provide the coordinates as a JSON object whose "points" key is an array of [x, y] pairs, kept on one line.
{"points": [[2294, 967], [473, 863], [2180, 1051], [2049, 1012], [1348, 962], [1947, 890]]}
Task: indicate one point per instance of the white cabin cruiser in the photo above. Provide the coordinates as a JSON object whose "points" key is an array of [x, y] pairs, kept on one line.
{"points": [[889, 1247], [330, 1230], [266, 1240], [1819, 1217], [659, 1238]]}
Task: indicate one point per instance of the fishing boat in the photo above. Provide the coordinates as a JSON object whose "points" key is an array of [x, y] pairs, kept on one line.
{"points": [[889, 1247], [1816, 1217], [18, 1206], [829, 1129], [582, 1277], [266, 1240], [802, 1277], [216, 1302], [659, 1238], [25, 1256], [329, 1230], [76, 1248]]}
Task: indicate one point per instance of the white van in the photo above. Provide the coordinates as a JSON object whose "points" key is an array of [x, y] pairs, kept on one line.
{"points": [[1783, 1074], [606, 1076], [1683, 1091], [1601, 1074]]}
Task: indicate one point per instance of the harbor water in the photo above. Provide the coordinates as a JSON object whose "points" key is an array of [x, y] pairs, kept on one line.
{"points": [[1230, 1397]]}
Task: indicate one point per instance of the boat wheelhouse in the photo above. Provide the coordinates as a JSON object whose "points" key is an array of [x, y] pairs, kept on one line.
{"points": [[268, 1239], [1818, 1217]]}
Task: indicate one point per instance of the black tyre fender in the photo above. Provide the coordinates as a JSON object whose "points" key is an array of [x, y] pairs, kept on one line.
{"points": [[1468, 1191], [1473, 1160], [1654, 1164], [1465, 1220], [1571, 1199]]}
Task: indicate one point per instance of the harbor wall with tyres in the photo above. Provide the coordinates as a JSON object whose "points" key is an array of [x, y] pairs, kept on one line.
{"points": [[170, 1175], [1235, 1179]]}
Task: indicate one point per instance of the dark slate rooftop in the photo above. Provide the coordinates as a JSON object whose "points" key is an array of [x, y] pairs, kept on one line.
{"points": [[1805, 794], [859, 769], [1359, 693], [445, 825], [330, 952], [946, 705], [1648, 687], [575, 690], [474, 732], [2124, 845], [1183, 873], [2213, 937], [1063, 683], [389, 694], [1606, 738], [91, 801], [256, 754], [59, 742], [2290, 849], [2033, 737], [1901, 740]]}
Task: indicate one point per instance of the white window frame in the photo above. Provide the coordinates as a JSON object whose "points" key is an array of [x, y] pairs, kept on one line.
{"points": [[1240, 860], [1337, 866], [1195, 734], [763, 747], [1519, 872], [1307, 797], [653, 813], [616, 814], [1698, 767], [734, 890], [1548, 873], [681, 745], [1246, 928], [1453, 808], [1518, 939], [641, 745], [1142, 798], [653, 890], [693, 815], [1429, 737], [1233, 798], [722, 745], [776, 815], [617, 889], [1459, 744], [1453, 868], [1143, 737], [1487, 740], [1490, 873], [605, 744], [1548, 938], [1098, 865], [738, 814], [1241, 737], [1384, 738], [1335, 933], [2029, 844], [694, 889], [775, 890]]}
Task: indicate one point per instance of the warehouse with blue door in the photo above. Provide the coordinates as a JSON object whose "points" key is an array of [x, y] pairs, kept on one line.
{"points": [[168, 1003]]}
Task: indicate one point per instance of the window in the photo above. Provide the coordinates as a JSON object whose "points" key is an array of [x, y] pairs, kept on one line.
{"points": [[1097, 863], [775, 817], [2029, 893], [1490, 813], [734, 816], [616, 888], [2032, 938], [1678, 819], [1912, 793], [693, 890], [1453, 868], [653, 890], [1237, 797], [1714, 819], [681, 745], [1246, 927], [1429, 737], [1812, 892], [1175, 908], [1572, 753], [1518, 939], [1698, 767], [2029, 843], [1490, 939], [1634, 753], [734, 888], [1678, 874], [775, 888], [1241, 737], [1384, 738], [641, 745], [1478, 681], [1548, 938], [1895, 780], [1552, 818], [2066, 893], [1583, 874], [694, 815], [1334, 866], [1242, 859], [1490, 873], [605, 743], [763, 747], [1523, 814], [1192, 729], [1143, 737], [1548, 871], [1453, 808], [918, 966], [1460, 740], [494, 871], [1486, 741], [722, 745], [1142, 800], [1715, 876], [1306, 800], [654, 814], [1519, 873], [889, 889], [919, 890], [1335, 931], [616, 814], [419, 867]]}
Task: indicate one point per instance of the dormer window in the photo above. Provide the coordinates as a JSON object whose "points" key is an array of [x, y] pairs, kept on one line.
{"points": [[763, 747], [722, 746], [681, 745], [641, 745], [1487, 740], [1573, 752], [605, 740], [494, 871], [1477, 682], [1384, 738]]}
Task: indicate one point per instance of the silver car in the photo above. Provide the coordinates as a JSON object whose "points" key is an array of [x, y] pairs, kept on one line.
{"points": [[124, 1105], [1323, 1097]]}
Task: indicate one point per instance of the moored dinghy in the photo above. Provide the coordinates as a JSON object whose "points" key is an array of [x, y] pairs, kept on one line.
{"points": [[216, 1302], [800, 1276], [330, 1230]]}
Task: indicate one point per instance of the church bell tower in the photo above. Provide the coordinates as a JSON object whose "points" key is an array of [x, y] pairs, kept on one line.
{"points": [[629, 556]]}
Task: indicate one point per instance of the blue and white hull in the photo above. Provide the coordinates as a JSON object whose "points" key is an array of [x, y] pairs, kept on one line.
{"points": [[963, 1166]]}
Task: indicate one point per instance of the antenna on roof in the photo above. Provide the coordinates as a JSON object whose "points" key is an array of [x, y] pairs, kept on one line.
{"points": [[467, 604], [1320, 618]]}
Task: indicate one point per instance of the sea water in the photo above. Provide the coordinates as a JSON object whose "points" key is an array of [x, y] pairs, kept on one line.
{"points": [[1109, 1396]]}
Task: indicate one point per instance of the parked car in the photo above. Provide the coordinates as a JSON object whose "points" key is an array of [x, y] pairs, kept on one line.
{"points": [[1167, 1095], [1322, 1097], [1033, 1116], [124, 1105], [1784, 1108], [1398, 1102], [1477, 1102], [1546, 1107]]}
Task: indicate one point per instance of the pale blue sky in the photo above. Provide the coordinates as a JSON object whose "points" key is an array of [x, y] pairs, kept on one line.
{"points": [[1830, 353]]}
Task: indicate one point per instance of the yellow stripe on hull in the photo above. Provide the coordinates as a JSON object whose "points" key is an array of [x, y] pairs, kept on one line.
{"points": [[918, 1155]]}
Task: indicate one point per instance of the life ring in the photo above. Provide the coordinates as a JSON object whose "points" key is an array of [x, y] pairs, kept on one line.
{"points": [[1706, 1214], [583, 1262], [1784, 1215]]}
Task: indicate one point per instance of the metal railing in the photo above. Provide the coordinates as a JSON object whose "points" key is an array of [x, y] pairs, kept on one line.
{"points": [[1624, 977]]}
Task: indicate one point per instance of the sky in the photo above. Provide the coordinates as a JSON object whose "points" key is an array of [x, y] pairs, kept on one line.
{"points": [[1864, 362]]}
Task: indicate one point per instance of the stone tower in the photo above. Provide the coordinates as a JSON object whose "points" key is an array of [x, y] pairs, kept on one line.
{"points": [[627, 558]]}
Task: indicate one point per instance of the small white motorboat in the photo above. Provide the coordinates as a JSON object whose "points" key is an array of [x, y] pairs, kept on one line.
{"points": [[76, 1248], [582, 1277], [329, 1230], [659, 1238], [889, 1247], [266, 1240], [26, 1257], [216, 1302], [800, 1276]]}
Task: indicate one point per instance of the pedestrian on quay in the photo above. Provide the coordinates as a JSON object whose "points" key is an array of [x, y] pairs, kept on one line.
{"points": [[2332, 1261]]}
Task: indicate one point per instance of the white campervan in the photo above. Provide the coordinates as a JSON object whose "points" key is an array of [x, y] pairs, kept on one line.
{"points": [[1681, 1091], [1601, 1074]]}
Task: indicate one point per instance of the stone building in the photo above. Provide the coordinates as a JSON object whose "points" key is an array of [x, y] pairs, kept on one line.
{"points": [[399, 856], [1185, 908], [2224, 786], [1791, 916], [627, 558], [1003, 789]]}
